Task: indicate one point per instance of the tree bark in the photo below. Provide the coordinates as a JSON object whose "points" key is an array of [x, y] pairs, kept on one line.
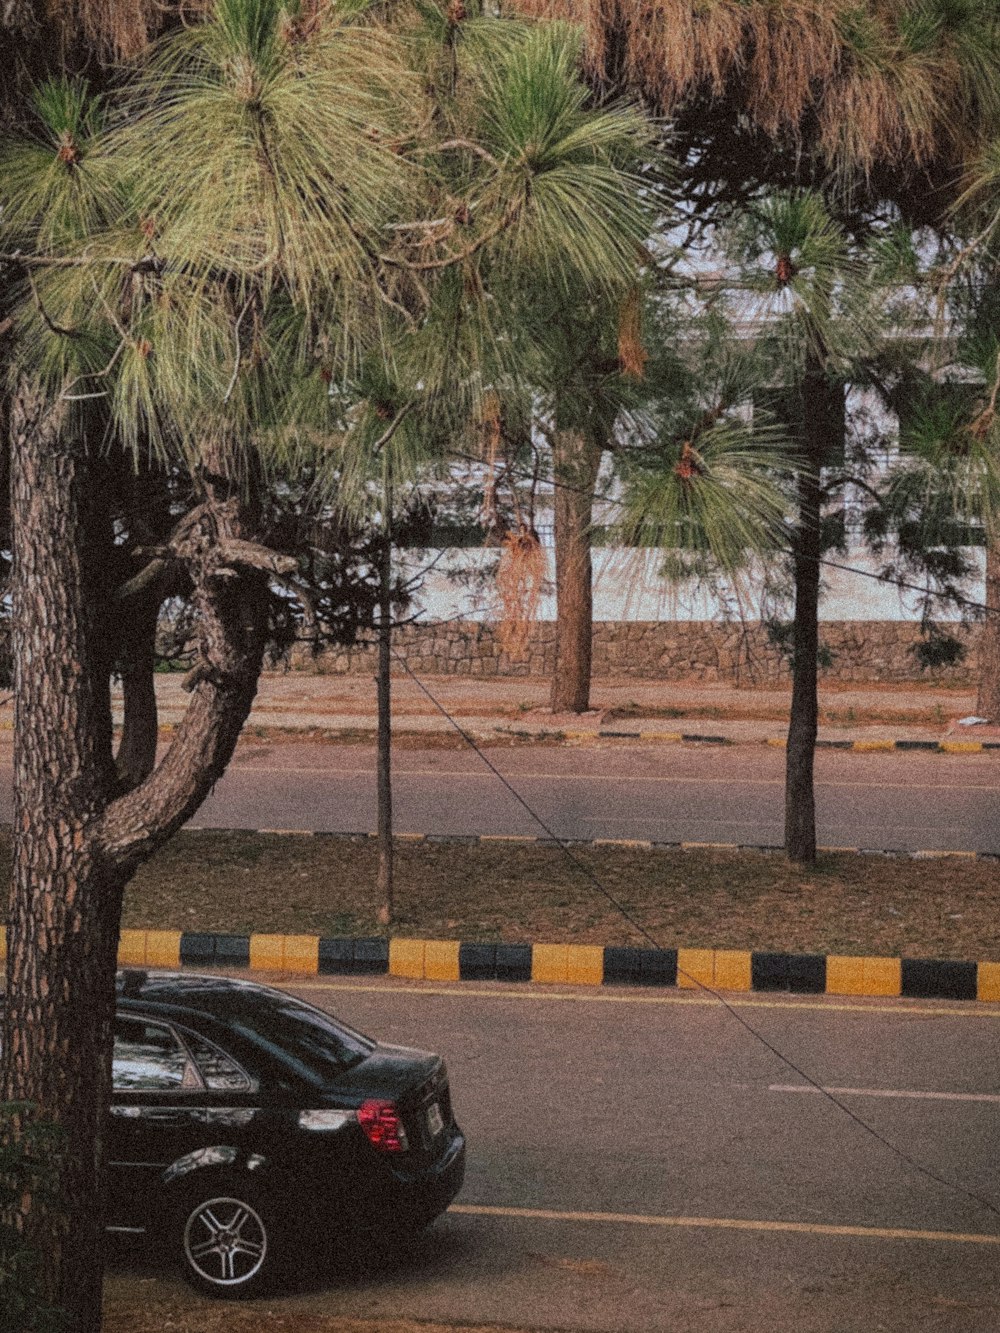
{"points": [[76, 843], [575, 461], [800, 800], [65, 897], [820, 427], [384, 775], [136, 756], [988, 694]]}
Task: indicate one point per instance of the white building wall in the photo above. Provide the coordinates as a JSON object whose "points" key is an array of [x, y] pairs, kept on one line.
{"points": [[628, 586]]}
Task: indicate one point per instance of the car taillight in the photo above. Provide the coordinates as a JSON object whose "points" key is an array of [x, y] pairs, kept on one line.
{"points": [[382, 1125]]}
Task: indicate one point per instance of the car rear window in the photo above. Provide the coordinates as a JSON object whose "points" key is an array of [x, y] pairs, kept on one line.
{"points": [[320, 1046], [149, 1058]]}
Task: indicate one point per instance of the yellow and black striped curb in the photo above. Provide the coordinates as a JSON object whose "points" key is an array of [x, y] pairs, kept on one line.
{"points": [[779, 742], [563, 964]]}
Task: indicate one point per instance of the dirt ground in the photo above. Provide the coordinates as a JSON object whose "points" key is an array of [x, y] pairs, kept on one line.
{"points": [[130, 1306], [238, 883]]}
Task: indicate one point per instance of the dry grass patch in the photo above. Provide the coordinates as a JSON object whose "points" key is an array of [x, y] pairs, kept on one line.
{"points": [[240, 882], [508, 738]]}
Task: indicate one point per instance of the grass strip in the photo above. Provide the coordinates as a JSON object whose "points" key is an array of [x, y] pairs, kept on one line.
{"points": [[240, 883], [235, 882]]}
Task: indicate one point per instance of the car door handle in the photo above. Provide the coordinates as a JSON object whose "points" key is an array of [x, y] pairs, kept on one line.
{"points": [[160, 1115]]}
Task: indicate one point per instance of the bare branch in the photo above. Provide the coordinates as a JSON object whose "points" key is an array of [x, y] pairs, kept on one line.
{"points": [[138, 583], [239, 349], [251, 555], [393, 426], [52, 326], [69, 397], [465, 145], [119, 329], [457, 256], [395, 305], [147, 264], [424, 224]]}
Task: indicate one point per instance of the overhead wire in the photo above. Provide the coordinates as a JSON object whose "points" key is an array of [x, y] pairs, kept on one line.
{"points": [[974, 1195], [983, 1200]]}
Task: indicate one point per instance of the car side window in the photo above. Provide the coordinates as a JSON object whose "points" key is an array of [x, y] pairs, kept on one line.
{"points": [[149, 1057], [219, 1071]]}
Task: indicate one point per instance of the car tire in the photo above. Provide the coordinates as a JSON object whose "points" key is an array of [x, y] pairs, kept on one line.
{"points": [[229, 1239]]}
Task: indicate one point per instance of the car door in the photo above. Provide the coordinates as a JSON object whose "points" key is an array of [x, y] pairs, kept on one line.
{"points": [[158, 1114]]}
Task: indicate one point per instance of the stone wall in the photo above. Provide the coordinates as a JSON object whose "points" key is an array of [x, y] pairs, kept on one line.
{"points": [[859, 650]]}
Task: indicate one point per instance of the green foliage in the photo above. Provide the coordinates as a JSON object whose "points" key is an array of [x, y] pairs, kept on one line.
{"points": [[809, 292], [948, 476], [704, 480], [781, 635], [284, 221], [937, 649], [57, 186], [716, 501], [563, 167], [30, 1154]]}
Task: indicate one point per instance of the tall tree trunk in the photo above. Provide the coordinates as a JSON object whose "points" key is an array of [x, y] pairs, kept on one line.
{"points": [[66, 897], [988, 694], [576, 461], [800, 800], [75, 843], [821, 427], [384, 775]]}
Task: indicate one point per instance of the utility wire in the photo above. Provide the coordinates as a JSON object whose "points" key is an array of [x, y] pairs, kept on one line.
{"points": [[637, 925]]}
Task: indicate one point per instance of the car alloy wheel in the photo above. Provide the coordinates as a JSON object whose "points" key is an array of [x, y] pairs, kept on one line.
{"points": [[225, 1246]]}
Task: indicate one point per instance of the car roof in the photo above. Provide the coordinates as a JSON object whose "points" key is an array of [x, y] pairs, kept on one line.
{"points": [[201, 993]]}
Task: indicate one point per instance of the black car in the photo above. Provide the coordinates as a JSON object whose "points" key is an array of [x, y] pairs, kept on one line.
{"points": [[246, 1125]]}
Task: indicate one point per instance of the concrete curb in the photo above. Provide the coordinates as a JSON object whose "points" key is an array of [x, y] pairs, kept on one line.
{"points": [[642, 844], [736, 970], [579, 735]]}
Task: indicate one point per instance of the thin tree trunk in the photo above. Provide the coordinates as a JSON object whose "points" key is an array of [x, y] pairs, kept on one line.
{"points": [[988, 694], [576, 461], [384, 766], [821, 427], [800, 800]]}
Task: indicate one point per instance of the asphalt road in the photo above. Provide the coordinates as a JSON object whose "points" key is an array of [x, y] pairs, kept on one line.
{"points": [[642, 1163], [666, 793]]}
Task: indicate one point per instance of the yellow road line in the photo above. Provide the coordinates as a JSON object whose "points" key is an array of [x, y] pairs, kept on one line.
{"points": [[901, 1008], [726, 1224]]}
